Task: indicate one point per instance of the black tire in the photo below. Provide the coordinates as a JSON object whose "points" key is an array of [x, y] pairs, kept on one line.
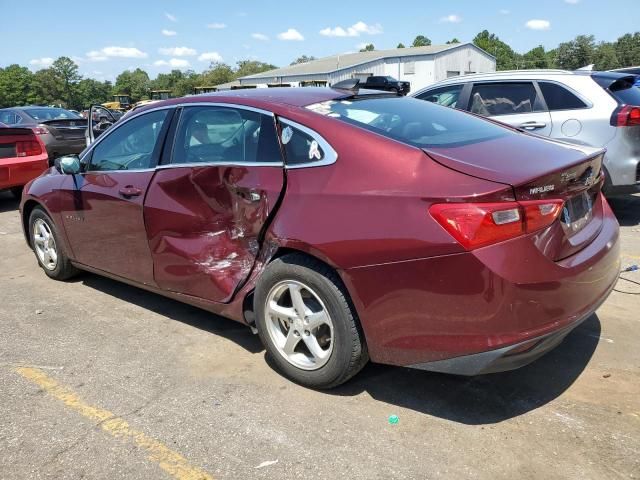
{"points": [[349, 352], [17, 192], [63, 269]]}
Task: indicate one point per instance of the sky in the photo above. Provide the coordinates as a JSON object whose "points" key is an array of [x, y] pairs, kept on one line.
{"points": [[105, 38]]}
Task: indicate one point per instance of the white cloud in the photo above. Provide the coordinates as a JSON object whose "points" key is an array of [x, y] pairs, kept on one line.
{"points": [[121, 52], [210, 57], [453, 18], [537, 24], [169, 33], [572, 2], [178, 52], [260, 36], [41, 62], [504, 11], [291, 34], [173, 62], [354, 30], [216, 26], [170, 17]]}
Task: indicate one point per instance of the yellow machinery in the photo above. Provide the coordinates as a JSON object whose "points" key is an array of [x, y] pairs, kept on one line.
{"points": [[160, 94], [121, 102]]}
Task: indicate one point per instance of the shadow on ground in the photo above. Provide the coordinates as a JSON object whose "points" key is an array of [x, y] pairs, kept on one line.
{"points": [[484, 399], [196, 317], [627, 209], [8, 202]]}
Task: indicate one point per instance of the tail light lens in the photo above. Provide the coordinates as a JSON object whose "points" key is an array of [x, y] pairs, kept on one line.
{"points": [[477, 225], [626, 116], [40, 130], [28, 148]]}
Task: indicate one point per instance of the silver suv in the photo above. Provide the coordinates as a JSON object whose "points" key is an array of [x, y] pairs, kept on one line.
{"points": [[600, 109]]}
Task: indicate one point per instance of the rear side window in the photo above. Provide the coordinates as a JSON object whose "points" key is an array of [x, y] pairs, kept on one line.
{"points": [[301, 146], [447, 96], [225, 135], [491, 99], [412, 121], [559, 98]]}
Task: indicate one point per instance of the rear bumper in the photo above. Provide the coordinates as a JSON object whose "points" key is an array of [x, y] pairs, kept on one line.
{"points": [[17, 172], [57, 148], [493, 300]]}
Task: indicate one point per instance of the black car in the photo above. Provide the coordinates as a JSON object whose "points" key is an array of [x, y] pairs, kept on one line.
{"points": [[61, 131], [386, 83]]}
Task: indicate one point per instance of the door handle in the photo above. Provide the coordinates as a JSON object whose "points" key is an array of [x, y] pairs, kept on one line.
{"points": [[129, 191], [532, 125]]}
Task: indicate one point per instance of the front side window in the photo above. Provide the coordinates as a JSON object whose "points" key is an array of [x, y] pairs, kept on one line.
{"points": [[225, 135], [412, 121], [130, 146], [447, 96], [491, 99], [559, 98]]}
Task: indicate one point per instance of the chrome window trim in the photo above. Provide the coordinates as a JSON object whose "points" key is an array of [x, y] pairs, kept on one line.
{"points": [[219, 164], [330, 155]]}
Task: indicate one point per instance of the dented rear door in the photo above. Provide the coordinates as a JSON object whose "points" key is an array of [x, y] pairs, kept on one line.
{"points": [[206, 209]]}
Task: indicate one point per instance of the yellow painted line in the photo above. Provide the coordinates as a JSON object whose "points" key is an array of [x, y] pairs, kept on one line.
{"points": [[171, 462]]}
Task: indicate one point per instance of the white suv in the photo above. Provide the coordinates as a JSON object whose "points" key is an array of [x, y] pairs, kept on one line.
{"points": [[600, 109]]}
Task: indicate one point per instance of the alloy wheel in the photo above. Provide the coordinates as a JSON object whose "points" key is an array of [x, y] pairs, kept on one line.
{"points": [[299, 325], [45, 244]]}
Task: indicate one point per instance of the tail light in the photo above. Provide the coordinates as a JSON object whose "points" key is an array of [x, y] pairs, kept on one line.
{"points": [[476, 225], [40, 130], [626, 116], [28, 148]]}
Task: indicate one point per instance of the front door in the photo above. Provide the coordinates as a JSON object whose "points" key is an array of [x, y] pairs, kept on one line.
{"points": [[207, 207], [515, 103], [103, 206]]}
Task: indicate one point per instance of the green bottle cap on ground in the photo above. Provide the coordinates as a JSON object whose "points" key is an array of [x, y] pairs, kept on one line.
{"points": [[393, 419]]}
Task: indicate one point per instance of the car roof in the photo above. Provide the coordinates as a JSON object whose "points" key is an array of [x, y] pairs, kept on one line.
{"points": [[267, 97]]}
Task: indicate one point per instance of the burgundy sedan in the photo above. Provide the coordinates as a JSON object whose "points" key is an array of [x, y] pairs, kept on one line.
{"points": [[342, 225]]}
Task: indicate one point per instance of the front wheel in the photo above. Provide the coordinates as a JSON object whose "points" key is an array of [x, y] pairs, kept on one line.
{"points": [[48, 246], [307, 323]]}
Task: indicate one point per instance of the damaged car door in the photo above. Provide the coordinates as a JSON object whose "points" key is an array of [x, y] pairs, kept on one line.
{"points": [[208, 203]]}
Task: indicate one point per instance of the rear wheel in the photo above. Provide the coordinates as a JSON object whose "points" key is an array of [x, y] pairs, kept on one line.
{"points": [[48, 247], [307, 323]]}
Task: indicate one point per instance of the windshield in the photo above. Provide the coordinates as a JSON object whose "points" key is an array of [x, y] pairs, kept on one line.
{"points": [[50, 113], [416, 122]]}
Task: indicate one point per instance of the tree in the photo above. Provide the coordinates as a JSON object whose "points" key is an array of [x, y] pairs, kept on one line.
{"points": [[628, 49], [251, 67], [368, 48], [605, 56], [400, 45], [136, 84], [576, 53], [303, 59], [506, 58], [421, 41], [90, 91], [535, 58], [217, 74], [15, 85], [66, 72], [453, 40]]}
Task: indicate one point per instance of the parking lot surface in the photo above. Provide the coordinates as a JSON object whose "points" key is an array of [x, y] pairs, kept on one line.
{"points": [[101, 380]]}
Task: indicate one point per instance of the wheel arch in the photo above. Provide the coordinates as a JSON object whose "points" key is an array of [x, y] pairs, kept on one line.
{"points": [[27, 208]]}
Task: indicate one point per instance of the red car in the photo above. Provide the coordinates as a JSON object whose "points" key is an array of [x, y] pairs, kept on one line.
{"points": [[23, 157], [342, 225]]}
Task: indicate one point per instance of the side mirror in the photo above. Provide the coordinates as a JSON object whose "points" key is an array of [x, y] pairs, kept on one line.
{"points": [[69, 164]]}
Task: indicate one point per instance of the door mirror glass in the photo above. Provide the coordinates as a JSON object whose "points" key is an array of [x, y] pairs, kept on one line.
{"points": [[69, 164]]}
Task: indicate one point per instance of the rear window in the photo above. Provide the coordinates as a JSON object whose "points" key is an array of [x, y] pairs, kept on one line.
{"points": [[50, 113], [409, 120], [625, 91], [559, 98]]}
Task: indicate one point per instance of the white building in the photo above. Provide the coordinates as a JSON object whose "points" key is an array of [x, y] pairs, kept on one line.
{"points": [[421, 66]]}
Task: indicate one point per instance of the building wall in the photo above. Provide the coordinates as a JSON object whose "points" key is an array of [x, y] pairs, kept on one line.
{"points": [[420, 70]]}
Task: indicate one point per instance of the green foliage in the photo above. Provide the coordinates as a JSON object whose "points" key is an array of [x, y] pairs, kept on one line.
{"points": [[251, 67], [217, 74], [15, 86], [421, 41], [400, 45], [453, 40], [506, 58], [576, 53], [368, 48], [136, 84], [535, 58], [303, 59], [628, 49]]}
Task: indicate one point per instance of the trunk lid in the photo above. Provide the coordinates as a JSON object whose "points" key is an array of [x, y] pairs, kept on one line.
{"points": [[67, 128], [8, 139], [537, 169]]}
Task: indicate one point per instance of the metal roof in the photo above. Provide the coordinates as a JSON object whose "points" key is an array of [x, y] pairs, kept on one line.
{"points": [[338, 62]]}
